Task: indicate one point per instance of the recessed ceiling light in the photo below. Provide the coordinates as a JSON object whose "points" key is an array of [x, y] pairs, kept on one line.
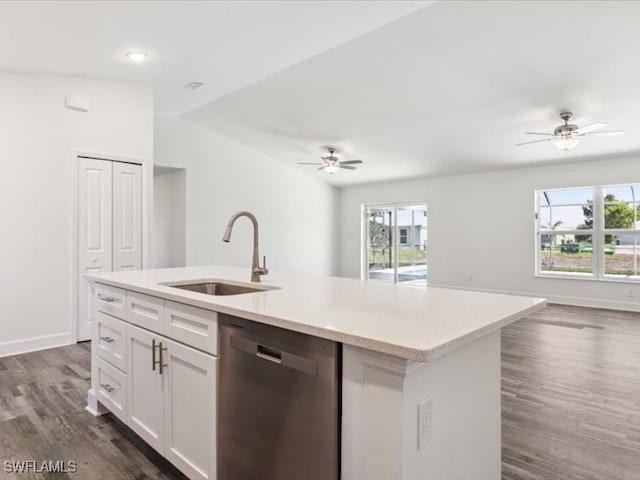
{"points": [[136, 56]]}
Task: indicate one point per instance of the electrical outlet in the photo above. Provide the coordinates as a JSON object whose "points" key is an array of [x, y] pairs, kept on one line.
{"points": [[631, 293], [425, 420], [470, 277]]}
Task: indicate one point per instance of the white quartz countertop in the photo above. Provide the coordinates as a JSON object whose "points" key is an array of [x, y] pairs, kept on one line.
{"points": [[409, 322]]}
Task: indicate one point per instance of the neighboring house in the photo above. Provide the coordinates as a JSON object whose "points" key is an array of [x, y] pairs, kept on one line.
{"points": [[557, 239], [412, 235], [409, 235], [625, 239]]}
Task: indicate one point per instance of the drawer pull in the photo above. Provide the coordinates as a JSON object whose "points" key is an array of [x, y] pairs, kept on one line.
{"points": [[107, 387], [107, 339], [106, 299]]}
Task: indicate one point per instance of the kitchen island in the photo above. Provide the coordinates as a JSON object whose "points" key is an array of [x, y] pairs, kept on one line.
{"points": [[420, 367]]}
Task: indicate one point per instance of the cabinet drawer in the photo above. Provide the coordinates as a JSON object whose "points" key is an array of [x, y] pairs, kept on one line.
{"points": [[111, 340], [194, 326], [111, 300], [112, 388], [145, 311]]}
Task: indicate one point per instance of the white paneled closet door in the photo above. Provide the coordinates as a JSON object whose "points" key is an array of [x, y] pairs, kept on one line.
{"points": [[94, 232], [127, 213], [109, 226]]}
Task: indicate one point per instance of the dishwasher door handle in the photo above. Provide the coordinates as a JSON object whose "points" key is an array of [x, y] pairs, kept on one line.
{"points": [[285, 359], [268, 353]]}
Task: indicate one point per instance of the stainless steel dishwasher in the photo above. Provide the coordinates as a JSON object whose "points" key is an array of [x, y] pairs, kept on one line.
{"points": [[278, 404]]}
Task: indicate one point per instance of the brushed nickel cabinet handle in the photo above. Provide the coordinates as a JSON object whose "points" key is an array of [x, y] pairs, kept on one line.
{"points": [[106, 299], [107, 339], [153, 355], [107, 387], [162, 364]]}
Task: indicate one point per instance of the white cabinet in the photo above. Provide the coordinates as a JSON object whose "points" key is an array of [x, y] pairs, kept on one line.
{"points": [[145, 311], [154, 367], [171, 400], [145, 385], [190, 411], [111, 300], [109, 226], [110, 340], [111, 388], [191, 325]]}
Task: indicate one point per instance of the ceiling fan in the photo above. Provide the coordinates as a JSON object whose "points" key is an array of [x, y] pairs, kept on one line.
{"points": [[331, 163], [568, 135]]}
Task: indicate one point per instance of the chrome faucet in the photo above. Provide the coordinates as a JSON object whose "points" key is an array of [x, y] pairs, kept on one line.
{"points": [[256, 269]]}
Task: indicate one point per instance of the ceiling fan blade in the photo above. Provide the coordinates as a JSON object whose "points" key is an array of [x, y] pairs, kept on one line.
{"points": [[535, 141], [351, 162], [590, 128], [306, 163], [321, 168], [537, 133], [346, 167], [610, 133]]}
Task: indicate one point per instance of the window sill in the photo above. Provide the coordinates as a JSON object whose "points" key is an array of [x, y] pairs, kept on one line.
{"points": [[587, 277]]}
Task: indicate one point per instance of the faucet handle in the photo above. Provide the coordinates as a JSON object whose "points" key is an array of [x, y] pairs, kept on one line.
{"points": [[263, 269]]}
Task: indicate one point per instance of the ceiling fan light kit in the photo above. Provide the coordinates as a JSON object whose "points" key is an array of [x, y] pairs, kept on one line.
{"points": [[568, 136], [566, 142], [331, 168], [332, 164]]}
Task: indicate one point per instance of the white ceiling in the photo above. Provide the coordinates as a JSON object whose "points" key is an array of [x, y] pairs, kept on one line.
{"points": [[226, 44], [412, 88], [449, 89]]}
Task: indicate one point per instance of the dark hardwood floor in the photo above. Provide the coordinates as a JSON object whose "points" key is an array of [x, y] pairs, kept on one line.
{"points": [[571, 395], [570, 402]]}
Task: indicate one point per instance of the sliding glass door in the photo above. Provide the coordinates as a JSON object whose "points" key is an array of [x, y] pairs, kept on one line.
{"points": [[395, 243], [380, 252]]}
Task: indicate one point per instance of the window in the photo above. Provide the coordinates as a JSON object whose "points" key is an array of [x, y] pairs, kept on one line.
{"points": [[589, 232], [403, 236], [395, 243]]}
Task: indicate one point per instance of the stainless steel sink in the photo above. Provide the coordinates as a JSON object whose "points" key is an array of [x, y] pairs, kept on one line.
{"points": [[220, 288]]}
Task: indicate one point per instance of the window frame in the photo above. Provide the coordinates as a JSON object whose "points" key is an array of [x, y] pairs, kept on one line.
{"points": [[597, 232]]}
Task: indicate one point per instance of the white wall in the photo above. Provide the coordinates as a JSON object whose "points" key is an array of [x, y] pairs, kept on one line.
{"points": [[169, 240], [296, 213], [482, 224], [37, 189]]}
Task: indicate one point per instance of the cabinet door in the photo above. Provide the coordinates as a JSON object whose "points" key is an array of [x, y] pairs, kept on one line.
{"points": [[127, 216], [190, 411], [94, 233], [145, 400]]}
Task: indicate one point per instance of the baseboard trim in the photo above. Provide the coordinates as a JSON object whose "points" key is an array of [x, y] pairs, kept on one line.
{"points": [[559, 299], [32, 344]]}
